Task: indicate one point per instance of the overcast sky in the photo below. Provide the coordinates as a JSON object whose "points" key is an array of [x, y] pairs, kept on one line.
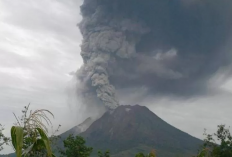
{"points": [[39, 47]]}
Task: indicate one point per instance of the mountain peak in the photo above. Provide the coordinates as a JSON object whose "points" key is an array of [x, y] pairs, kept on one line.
{"points": [[130, 129]]}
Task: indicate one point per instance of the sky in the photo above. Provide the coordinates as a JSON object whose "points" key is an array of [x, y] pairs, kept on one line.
{"points": [[39, 48]]}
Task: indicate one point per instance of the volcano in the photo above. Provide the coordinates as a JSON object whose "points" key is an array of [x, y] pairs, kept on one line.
{"points": [[128, 130]]}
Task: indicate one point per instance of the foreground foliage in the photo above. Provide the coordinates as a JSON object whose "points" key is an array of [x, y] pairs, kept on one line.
{"points": [[151, 154], [29, 135], [106, 154], [75, 147], [3, 138], [222, 148]]}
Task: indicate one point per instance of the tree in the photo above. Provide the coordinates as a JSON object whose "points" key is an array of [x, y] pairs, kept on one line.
{"points": [[75, 147], [140, 155], [106, 154], [3, 138], [210, 147], [29, 134], [151, 154]]}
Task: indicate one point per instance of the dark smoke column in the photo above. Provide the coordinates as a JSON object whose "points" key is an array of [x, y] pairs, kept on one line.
{"points": [[96, 51], [104, 40]]}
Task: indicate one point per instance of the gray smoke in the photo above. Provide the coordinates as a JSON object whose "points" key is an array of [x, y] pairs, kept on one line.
{"points": [[166, 46]]}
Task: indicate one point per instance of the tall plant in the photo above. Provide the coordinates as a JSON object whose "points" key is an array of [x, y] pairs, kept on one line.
{"points": [[3, 138], [30, 133]]}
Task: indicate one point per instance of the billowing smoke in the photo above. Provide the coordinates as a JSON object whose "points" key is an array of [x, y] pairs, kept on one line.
{"points": [[163, 46]]}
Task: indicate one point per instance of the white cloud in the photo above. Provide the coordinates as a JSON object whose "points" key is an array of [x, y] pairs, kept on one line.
{"points": [[39, 47], [194, 115]]}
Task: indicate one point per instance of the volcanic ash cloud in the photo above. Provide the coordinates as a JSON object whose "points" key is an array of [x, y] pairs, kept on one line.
{"points": [[165, 46]]}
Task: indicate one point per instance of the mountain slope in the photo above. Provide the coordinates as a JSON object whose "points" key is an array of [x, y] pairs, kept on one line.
{"points": [[131, 129], [79, 128]]}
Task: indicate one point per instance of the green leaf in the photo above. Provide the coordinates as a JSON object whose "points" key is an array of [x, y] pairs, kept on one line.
{"points": [[26, 151], [46, 142], [17, 139]]}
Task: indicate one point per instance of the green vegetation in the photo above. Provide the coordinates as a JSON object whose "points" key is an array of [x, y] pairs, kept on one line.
{"points": [[29, 138], [210, 147], [75, 147], [106, 154], [3, 139], [151, 154], [29, 135]]}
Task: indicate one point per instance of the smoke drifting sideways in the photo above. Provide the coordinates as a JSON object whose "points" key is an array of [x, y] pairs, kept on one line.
{"points": [[164, 46]]}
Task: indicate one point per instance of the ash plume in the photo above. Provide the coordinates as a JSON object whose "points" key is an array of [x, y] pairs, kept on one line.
{"points": [[165, 46]]}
